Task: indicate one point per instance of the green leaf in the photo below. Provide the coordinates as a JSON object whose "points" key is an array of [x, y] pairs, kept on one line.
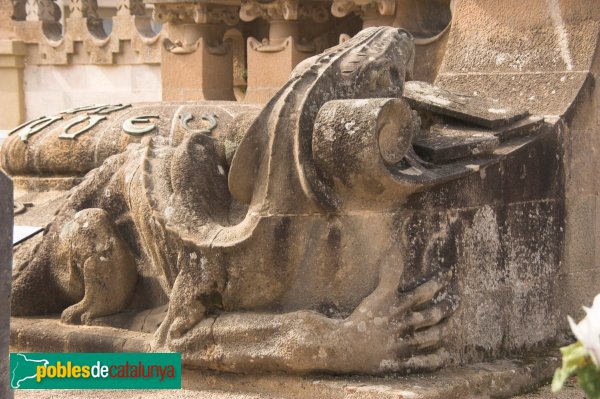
{"points": [[561, 376], [575, 358], [589, 380], [575, 354]]}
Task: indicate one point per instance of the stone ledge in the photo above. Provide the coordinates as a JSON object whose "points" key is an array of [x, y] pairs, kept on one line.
{"points": [[50, 335], [499, 379], [12, 47]]}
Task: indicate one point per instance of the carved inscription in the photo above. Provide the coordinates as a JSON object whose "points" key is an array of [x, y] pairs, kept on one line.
{"points": [[131, 125], [184, 120], [94, 115], [93, 120], [34, 126]]}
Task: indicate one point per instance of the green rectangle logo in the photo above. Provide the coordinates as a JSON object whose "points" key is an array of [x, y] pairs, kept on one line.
{"points": [[95, 370]]}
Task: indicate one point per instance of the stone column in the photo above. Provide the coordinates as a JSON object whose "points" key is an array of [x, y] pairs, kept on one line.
{"points": [[6, 228], [271, 60], [196, 64], [372, 12], [12, 98]]}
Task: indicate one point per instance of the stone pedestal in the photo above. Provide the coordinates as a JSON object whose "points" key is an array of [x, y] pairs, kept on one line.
{"points": [[271, 61], [6, 226], [12, 100], [269, 67], [196, 63], [372, 12], [203, 74]]}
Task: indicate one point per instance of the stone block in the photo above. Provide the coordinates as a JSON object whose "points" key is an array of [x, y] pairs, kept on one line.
{"points": [[268, 70], [580, 277], [480, 111], [210, 78], [445, 143], [582, 150], [540, 93], [12, 97], [507, 38], [6, 226]]}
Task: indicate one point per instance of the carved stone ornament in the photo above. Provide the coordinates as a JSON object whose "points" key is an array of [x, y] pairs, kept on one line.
{"points": [[83, 9], [290, 10], [130, 7], [341, 8], [278, 239], [199, 13], [266, 46], [42, 10]]}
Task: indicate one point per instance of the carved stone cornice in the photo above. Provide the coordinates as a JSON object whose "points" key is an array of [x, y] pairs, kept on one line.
{"points": [[318, 12], [289, 10], [265, 46], [195, 13], [19, 12], [365, 8], [83, 9], [42, 10], [130, 7]]}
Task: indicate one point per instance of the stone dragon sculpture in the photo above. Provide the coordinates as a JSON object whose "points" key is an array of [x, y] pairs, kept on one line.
{"points": [[283, 253]]}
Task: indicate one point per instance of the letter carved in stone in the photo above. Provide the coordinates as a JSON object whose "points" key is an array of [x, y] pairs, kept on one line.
{"points": [[93, 120], [131, 125], [32, 127]]}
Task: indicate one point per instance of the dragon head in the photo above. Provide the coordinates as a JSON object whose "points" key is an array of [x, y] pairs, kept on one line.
{"points": [[377, 63]]}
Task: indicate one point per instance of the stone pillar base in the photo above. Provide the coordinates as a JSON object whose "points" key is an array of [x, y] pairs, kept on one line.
{"points": [[269, 67], [204, 74], [12, 100]]}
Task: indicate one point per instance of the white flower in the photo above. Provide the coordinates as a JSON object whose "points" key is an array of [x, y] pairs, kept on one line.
{"points": [[587, 330]]}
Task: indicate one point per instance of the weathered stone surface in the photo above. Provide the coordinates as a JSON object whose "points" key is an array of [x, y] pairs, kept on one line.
{"points": [[520, 128], [448, 143], [49, 335], [500, 379], [477, 110], [545, 392], [6, 226], [510, 52], [75, 157]]}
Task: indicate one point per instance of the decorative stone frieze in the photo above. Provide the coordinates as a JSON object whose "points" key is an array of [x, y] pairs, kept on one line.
{"points": [[82, 39], [195, 12], [42, 10], [341, 8], [83, 9], [130, 7], [289, 10]]}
